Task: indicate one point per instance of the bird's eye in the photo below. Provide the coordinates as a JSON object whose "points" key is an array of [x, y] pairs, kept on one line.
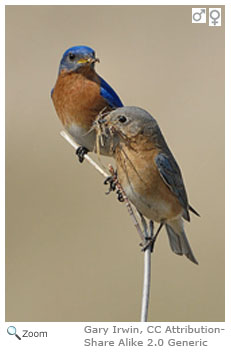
{"points": [[122, 119], [71, 56]]}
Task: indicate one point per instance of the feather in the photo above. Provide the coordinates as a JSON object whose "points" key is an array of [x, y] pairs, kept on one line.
{"points": [[109, 94]]}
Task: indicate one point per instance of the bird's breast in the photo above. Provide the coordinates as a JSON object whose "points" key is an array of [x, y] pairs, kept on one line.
{"points": [[77, 99], [144, 186]]}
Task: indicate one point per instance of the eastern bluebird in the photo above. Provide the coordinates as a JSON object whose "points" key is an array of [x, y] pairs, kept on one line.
{"points": [[149, 174], [80, 94]]}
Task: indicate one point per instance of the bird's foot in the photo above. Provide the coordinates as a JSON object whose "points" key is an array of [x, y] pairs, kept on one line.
{"points": [[81, 152], [150, 237], [120, 195], [149, 243], [112, 181]]}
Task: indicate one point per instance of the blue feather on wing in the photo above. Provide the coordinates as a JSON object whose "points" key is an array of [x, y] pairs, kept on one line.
{"points": [[109, 94], [170, 173]]}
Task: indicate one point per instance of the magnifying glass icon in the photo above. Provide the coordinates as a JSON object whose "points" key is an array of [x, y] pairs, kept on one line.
{"points": [[12, 331]]}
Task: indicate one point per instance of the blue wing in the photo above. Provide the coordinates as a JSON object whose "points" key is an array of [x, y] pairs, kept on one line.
{"points": [[109, 94], [170, 173]]}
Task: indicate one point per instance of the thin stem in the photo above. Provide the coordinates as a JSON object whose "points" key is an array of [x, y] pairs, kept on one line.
{"points": [[70, 140], [147, 269], [146, 284], [129, 206]]}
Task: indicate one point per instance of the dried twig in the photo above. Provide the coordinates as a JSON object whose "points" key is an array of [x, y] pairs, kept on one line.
{"points": [[146, 284], [129, 206], [70, 140]]}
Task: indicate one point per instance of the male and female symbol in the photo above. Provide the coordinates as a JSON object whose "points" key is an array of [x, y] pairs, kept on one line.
{"points": [[199, 16]]}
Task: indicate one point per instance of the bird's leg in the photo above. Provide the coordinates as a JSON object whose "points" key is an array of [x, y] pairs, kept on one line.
{"points": [[148, 236], [151, 228], [111, 180], [80, 152], [152, 239], [113, 185], [145, 227], [120, 196]]}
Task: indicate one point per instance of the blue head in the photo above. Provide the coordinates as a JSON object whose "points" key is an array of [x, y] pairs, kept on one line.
{"points": [[78, 57]]}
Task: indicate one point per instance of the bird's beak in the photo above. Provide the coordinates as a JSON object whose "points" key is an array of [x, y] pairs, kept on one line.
{"points": [[93, 60], [88, 60], [107, 124]]}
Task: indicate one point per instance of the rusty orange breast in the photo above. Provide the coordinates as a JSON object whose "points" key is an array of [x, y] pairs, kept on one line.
{"points": [[77, 98]]}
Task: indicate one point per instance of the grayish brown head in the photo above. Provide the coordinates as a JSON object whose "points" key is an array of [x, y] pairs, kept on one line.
{"points": [[129, 121]]}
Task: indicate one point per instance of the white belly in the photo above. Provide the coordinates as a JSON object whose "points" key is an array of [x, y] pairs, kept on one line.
{"points": [[88, 140], [82, 137]]}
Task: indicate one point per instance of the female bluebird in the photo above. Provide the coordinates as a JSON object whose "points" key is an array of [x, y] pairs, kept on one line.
{"points": [[80, 94], [149, 174]]}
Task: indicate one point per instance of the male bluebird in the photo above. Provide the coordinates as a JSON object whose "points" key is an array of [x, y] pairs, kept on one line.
{"points": [[80, 94], [149, 174]]}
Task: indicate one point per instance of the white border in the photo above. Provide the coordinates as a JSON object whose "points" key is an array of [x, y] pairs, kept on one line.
{"points": [[109, 2], [68, 337], [2, 165], [227, 163]]}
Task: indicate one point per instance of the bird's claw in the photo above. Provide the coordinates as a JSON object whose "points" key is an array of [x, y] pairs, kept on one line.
{"points": [[112, 181], [81, 152], [120, 196], [149, 243]]}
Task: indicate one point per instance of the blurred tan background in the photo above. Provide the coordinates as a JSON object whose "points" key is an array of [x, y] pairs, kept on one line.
{"points": [[72, 253]]}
